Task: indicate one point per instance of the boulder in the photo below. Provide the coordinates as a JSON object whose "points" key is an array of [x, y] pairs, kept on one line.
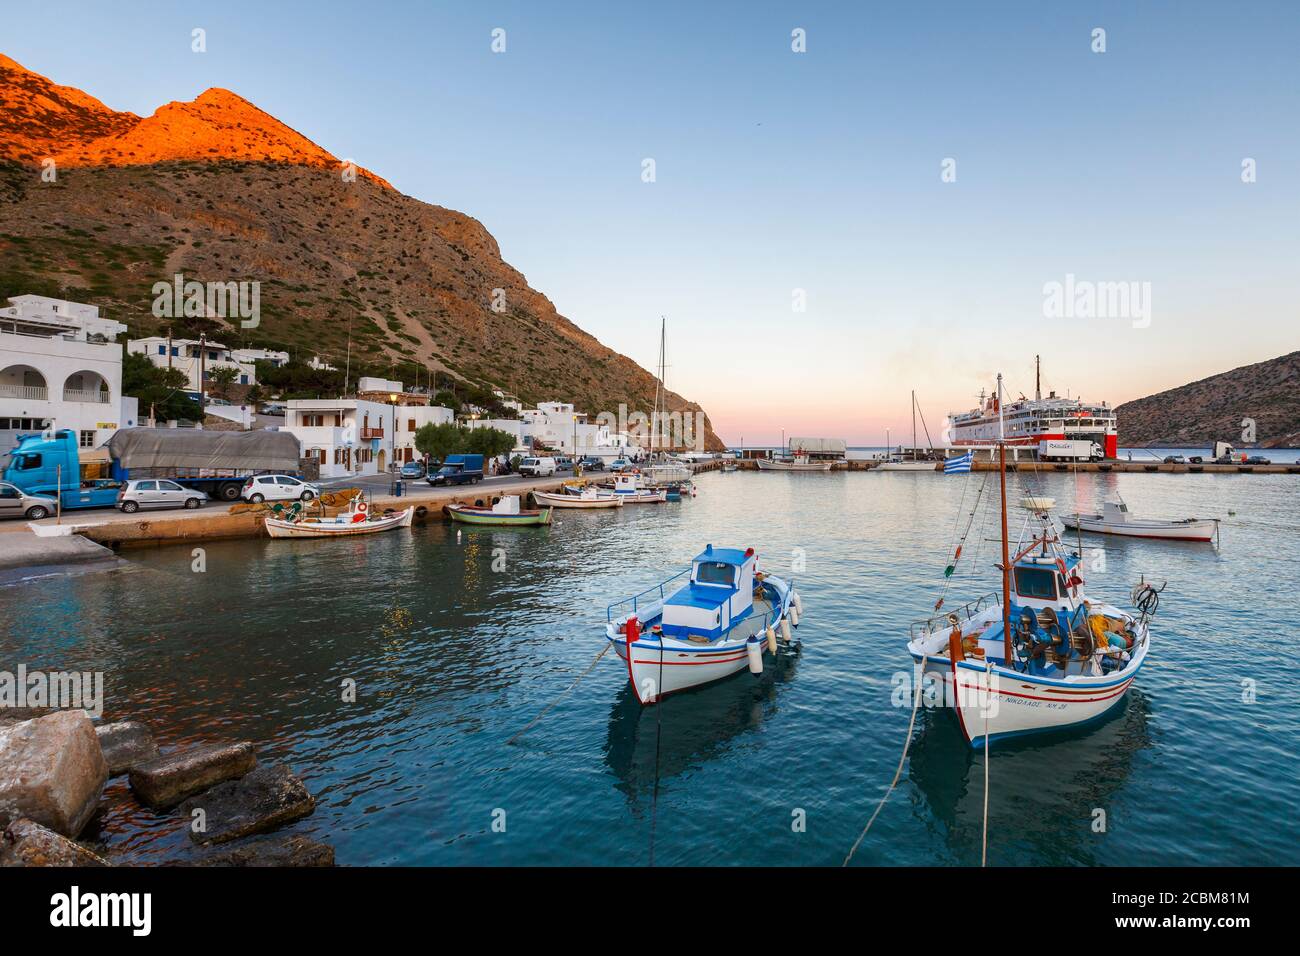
{"points": [[27, 843], [126, 744], [166, 781], [292, 850], [51, 771], [265, 799]]}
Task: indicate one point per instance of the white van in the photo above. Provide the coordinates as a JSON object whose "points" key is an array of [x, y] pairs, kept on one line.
{"points": [[537, 467]]}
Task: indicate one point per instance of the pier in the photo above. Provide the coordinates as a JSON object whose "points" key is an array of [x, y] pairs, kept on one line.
{"points": [[1115, 466]]}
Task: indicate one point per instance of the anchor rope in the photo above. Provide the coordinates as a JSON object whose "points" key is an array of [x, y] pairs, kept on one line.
{"points": [[659, 703], [566, 690], [898, 772]]}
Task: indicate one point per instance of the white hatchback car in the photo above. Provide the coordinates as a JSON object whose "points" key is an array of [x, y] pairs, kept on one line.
{"points": [[157, 493], [278, 488]]}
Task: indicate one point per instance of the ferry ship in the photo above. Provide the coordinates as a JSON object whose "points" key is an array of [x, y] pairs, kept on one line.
{"points": [[1029, 421]]}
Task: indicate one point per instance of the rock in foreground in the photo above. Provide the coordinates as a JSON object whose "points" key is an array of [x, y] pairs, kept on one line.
{"points": [[267, 798], [166, 781], [51, 771], [27, 843], [291, 850], [126, 744]]}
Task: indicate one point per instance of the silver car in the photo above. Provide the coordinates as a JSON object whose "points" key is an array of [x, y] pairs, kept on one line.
{"points": [[16, 503], [157, 493]]}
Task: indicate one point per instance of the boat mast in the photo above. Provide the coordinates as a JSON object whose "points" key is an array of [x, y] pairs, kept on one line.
{"points": [[1038, 378], [1006, 555], [913, 424]]}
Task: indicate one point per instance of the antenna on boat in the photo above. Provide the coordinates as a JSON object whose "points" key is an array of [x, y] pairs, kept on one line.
{"points": [[1006, 556]]}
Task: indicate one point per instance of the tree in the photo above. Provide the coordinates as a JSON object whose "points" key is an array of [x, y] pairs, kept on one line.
{"points": [[438, 441], [488, 442], [161, 389], [222, 377]]}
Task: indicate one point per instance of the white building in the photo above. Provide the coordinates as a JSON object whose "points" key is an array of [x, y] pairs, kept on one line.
{"points": [[61, 367], [559, 427], [193, 356], [249, 356], [354, 436]]}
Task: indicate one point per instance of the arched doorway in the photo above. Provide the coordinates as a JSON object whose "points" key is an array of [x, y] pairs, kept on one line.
{"points": [[382, 460], [23, 382], [86, 387]]}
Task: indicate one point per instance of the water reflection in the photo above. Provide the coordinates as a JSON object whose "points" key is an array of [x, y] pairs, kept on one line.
{"points": [[1042, 791]]}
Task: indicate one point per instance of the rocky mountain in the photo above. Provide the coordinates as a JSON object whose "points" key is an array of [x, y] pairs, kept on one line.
{"points": [[1267, 393], [220, 191]]}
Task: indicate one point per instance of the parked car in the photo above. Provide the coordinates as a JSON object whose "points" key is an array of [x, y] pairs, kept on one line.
{"points": [[592, 464], [1257, 460], [278, 488], [413, 469], [537, 467], [563, 463], [16, 503], [157, 493], [1175, 460], [621, 464]]}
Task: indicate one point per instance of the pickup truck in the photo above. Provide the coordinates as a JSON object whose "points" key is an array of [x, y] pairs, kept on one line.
{"points": [[458, 470]]}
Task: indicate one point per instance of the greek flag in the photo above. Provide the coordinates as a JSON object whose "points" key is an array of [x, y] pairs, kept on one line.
{"points": [[957, 466]]}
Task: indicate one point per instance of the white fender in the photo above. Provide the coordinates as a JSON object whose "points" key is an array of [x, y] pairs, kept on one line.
{"points": [[794, 615], [754, 649], [785, 629], [798, 601], [771, 638]]}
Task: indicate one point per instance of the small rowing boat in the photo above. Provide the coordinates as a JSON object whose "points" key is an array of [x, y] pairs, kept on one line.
{"points": [[504, 511], [714, 624], [588, 497], [356, 520], [1115, 519]]}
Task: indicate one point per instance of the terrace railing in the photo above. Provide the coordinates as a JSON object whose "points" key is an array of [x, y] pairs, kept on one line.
{"points": [[32, 393], [95, 396]]}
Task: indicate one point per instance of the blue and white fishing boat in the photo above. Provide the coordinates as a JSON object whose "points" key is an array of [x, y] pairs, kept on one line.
{"points": [[1041, 656], [713, 624]]}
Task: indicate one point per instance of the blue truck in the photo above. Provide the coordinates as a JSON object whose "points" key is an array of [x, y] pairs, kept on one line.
{"points": [[216, 463], [458, 470]]}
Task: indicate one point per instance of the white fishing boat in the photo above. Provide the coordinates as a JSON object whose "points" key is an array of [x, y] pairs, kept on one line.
{"points": [[715, 623], [792, 463], [1115, 519], [1041, 656], [357, 519], [628, 487], [587, 497]]}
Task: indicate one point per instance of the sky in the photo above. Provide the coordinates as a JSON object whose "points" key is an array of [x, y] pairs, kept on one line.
{"points": [[826, 230]]}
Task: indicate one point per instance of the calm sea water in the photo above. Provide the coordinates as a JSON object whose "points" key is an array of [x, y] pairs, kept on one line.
{"points": [[451, 657]]}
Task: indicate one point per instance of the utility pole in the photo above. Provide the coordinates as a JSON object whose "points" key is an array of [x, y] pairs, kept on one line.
{"points": [[203, 375], [1038, 378]]}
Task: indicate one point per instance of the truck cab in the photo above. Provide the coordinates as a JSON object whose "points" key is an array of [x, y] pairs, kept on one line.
{"points": [[47, 463]]}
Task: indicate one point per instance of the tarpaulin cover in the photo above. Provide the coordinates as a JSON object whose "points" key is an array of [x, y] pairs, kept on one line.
{"points": [[197, 448]]}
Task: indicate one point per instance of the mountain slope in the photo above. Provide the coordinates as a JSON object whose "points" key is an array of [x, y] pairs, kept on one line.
{"points": [[220, 191], [1213, 408]]}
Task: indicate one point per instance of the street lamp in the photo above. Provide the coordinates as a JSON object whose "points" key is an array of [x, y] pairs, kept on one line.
{"points": [[397, 481]]}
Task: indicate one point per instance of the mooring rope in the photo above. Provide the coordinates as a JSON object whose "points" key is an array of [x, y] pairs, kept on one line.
{"points": [[988, 680], [548, 707], [659, 703], [916, 705]]}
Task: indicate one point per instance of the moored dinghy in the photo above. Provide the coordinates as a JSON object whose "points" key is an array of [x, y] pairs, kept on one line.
{"points": [[588, 497], [504, 511], [355, 520], [711, 625], [1115, 519]]}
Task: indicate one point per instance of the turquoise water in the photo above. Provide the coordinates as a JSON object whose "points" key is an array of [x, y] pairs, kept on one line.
{"points": [[452, 657]]}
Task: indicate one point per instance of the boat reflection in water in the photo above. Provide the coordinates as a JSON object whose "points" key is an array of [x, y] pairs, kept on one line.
{"points": [[693, 727], [1043, 792]]}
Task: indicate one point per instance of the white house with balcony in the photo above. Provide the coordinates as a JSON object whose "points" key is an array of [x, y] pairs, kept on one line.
{"points": [[560, 427], [197, 357], [60, 367], [355, 436]]}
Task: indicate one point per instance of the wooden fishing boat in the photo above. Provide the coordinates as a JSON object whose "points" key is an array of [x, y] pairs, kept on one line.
{"points": [[1115, 519], [792, 463], [589, 497], [1041, 656], [629, 488], [505, 511], [715, 623], [356, 520]]}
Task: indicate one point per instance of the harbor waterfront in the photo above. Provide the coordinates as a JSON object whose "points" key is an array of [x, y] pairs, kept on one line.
{"points": [[458, 637]]}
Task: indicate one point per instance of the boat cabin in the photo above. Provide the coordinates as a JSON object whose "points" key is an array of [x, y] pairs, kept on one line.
{"points": [[626, 484], [506, 505], [720, 593]]}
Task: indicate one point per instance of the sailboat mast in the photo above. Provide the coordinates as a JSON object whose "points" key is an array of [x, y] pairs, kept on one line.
{"points": [[1006, 546], [913, 424]]}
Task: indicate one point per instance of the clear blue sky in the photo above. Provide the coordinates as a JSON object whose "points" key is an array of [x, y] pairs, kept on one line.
{"points": [[818, 171]]}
